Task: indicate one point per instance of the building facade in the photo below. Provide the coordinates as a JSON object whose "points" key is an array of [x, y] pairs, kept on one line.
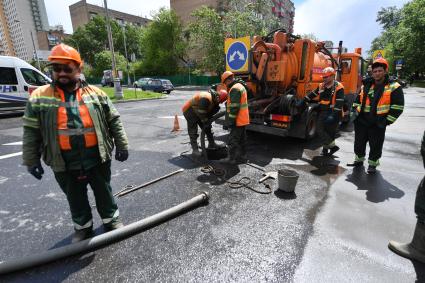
{"points": [[20, 20], [282, 10], [82, 12]]}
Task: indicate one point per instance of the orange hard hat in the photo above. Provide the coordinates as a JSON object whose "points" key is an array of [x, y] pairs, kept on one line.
{"points": [[222, 94], [63, 53], [379, 62], [328, 71], [226, 75]]}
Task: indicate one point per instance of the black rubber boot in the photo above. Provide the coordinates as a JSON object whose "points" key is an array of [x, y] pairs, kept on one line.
{"points": [[82, 234], [371, 169], [413, 250], [195, 149], [325, 152], [355, 164], [333, 149], [114, 224]]}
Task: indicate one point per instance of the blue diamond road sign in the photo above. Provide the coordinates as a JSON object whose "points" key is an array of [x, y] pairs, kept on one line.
{"points": [[237, 55]]}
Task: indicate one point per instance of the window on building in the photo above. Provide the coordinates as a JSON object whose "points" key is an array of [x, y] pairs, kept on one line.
{"points": [[8, 76], [92, 15]]}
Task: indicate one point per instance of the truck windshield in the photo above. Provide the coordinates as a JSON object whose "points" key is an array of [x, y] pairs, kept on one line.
{"points": [[33, 78]]}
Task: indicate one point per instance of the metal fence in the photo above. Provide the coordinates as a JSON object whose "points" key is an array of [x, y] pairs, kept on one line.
{"points": [[177, 80]]}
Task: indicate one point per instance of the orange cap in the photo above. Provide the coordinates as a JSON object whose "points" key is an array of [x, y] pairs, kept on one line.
{"points": [[63, 53], [380, 61], [222, 94], [328, 71], [226, 75]]}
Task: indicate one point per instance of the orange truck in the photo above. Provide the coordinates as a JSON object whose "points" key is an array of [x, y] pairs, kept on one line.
{"points": [[279, 70]]}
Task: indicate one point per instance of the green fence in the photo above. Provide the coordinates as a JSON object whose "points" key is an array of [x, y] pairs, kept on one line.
{"points": [[177, 80]]}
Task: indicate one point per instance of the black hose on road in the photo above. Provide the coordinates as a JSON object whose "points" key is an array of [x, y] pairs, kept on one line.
{"points": [[103, 239]]}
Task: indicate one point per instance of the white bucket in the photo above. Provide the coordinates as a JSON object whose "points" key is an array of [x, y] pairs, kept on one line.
{"points": [[287, 180]]}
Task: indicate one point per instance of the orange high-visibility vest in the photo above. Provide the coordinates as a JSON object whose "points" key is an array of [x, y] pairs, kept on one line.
{"points": [[384, 102], [64, 132], [242, 118], [333, 101], [194, 102]]}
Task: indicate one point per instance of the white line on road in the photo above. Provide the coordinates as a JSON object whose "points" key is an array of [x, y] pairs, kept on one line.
{"points": [[10, 155], [13, 143]]}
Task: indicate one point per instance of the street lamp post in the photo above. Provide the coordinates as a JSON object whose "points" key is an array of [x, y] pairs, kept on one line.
{"points": [[117, 84], [126, 57]]}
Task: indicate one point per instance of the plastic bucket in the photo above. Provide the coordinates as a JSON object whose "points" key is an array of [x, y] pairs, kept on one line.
{"points": [[287, 180]]}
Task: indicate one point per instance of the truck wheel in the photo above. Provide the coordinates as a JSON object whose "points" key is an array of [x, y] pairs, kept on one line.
{"points": [[311, 125]]}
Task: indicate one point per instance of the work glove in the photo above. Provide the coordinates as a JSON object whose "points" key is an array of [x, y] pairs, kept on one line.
{"points": [[121, 155], [36, 170]]}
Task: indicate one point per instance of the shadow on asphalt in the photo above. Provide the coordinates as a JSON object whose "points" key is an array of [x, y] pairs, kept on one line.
{"points": [[420, 271], [377, 188]]}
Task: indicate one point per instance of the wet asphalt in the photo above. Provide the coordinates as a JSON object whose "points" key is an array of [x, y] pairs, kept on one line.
{"points": [[334, 228]]}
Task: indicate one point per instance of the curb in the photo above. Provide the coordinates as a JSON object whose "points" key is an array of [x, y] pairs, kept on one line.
{"points": [[140, 99]]}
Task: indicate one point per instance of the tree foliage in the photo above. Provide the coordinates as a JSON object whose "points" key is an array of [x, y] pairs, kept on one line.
{"points": [[403, 36], [104, 62], [163, 44], [93, 38]]}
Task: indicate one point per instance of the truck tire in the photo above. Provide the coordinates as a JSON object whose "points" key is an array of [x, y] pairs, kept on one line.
{"points": [[311, 125]]}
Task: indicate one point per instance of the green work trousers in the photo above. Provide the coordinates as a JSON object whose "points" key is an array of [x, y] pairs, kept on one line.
{"points": [[237, 142], [75, 189], [420, 202]]}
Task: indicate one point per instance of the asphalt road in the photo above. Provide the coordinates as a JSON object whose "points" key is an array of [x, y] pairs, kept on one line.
{"points": [[335, 228]]}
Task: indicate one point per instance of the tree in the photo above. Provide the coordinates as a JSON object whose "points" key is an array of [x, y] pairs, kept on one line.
{"points": [[104, 62], [163, 44], [389, 17], [93, 38], [207, 39]]}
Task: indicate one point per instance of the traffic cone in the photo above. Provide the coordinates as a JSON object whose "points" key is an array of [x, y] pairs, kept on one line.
{"points": [[176, 127]]}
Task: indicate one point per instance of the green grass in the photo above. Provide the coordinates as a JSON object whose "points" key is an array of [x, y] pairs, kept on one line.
{"points": [[132, 94], [419, 83]]}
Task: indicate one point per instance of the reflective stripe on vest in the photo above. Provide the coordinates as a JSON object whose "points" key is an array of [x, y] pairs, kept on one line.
{"points": [[384, 103], [64, 132], [194, 102], [242, 118], [337, 86]]}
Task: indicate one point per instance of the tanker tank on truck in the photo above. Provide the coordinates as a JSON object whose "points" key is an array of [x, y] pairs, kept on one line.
{"points": [[280, 69]]}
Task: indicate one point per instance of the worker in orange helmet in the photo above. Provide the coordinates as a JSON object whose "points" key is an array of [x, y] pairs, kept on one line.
{"points": [[330, 94], [378, 105], [237, 118], [197, 111], [78, 125]]}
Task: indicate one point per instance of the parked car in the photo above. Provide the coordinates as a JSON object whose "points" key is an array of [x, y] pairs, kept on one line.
{"points": [[107, 79], [158, 85], [18, 80], [141, 82]]}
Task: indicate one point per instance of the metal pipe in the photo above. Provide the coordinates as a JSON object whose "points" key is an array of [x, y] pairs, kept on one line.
{"points": [[132, 188], [103, 239]]}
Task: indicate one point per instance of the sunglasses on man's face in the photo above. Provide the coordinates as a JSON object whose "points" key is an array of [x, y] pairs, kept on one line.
{"points": [[65, 68]]}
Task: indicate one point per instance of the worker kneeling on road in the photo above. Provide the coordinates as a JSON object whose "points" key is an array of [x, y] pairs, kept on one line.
{"points": [[74, 127], [236, 119], [331, 99], [378, 105], [197, 111]]}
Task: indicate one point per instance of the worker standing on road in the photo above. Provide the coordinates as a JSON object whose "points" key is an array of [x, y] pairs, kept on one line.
{"points": [[197, 112], [416, 248], [331, 99], [378, 105], [74, 126], [236, 119]]}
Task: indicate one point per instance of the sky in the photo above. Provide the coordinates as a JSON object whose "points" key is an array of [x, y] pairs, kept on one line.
{"points": [[352, 21]]}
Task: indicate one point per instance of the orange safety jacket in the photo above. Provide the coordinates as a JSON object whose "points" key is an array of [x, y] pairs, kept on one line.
{"points": [[194, 103], [64, 133], [238, 110], [384, 103]]}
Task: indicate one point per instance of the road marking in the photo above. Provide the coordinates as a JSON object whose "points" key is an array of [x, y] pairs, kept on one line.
{"points": [[13, 143], [10, 155], [169, 117]]}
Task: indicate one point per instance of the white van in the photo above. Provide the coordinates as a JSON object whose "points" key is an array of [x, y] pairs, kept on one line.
{"points": [[17, 80]]}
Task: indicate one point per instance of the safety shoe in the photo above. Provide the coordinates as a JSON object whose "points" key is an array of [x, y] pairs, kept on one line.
{"points": [[113, 225], [413, 250], [195, 150], [82, 234], [355, 164], [333, 150], [371, 169]]}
